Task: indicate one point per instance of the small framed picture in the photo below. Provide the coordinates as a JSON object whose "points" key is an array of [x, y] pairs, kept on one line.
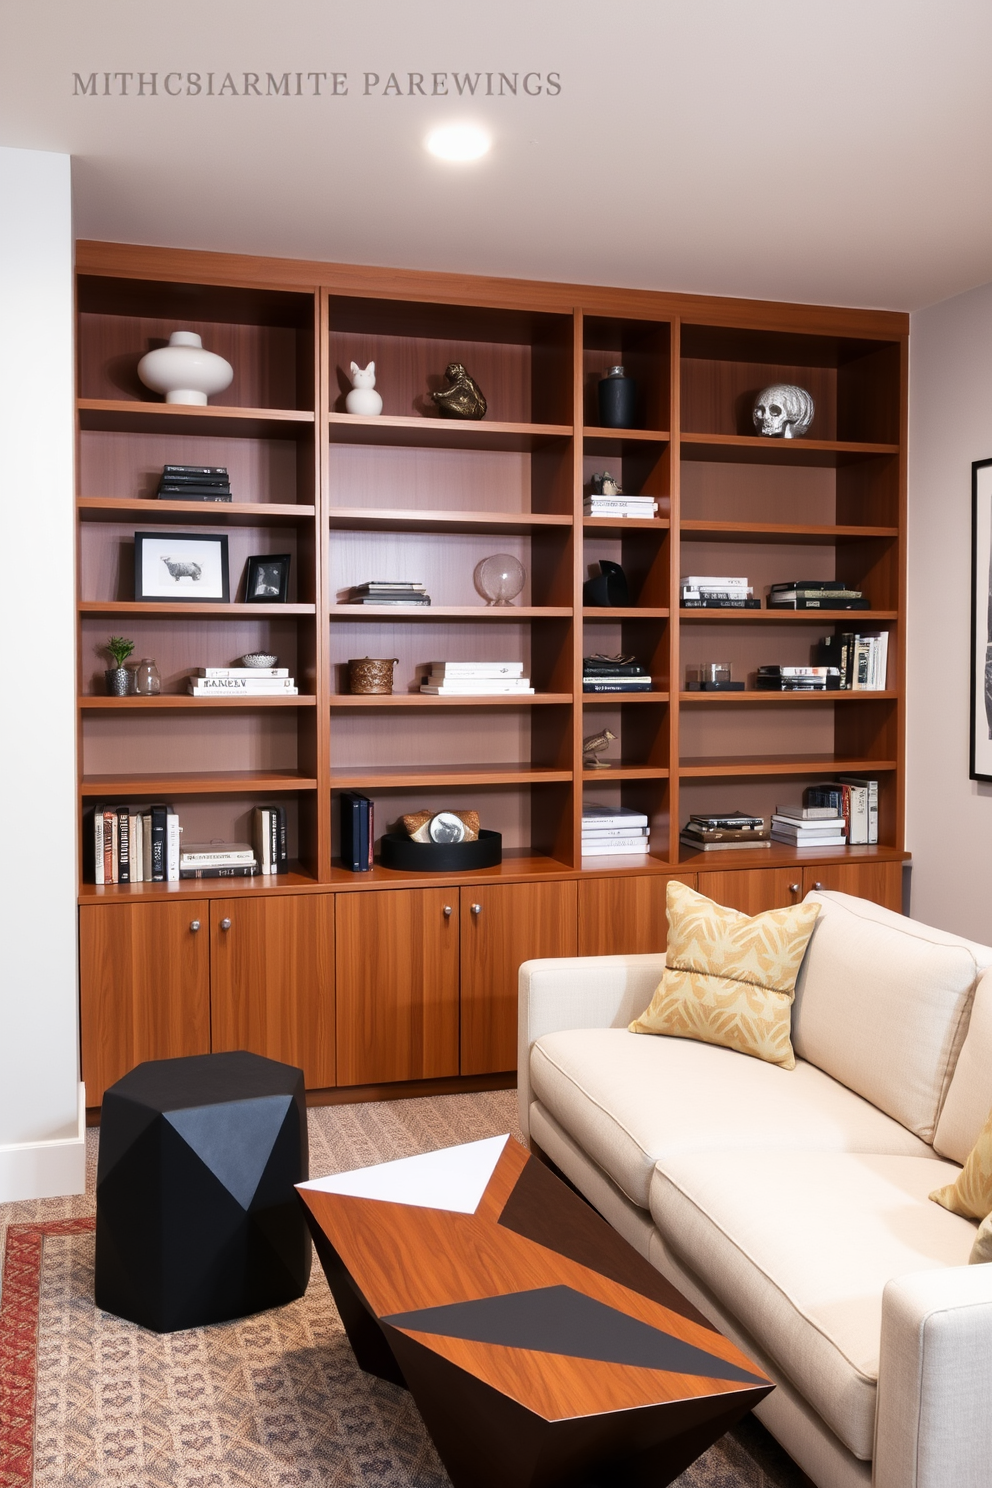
{"points": [[267, 579], [181, 566], [981, 620]]}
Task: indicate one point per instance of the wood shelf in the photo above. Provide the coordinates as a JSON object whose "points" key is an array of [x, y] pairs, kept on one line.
{"points": [[183, 702], [210, 513], [357, 612], [196, 888], [779, 532], [858, 619], [756, 695], [609, 699], [443, 433], [754, 450], [427, 700], [198, 609], [738, 765], [617, 526], [781, 855], [517, 866], [389, 777], [619, 771], [183, 783], [624, 612], [125, 415], [401, 519]]}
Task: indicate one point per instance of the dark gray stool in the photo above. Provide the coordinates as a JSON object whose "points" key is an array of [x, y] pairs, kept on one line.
{"points": [[197, 1220]]}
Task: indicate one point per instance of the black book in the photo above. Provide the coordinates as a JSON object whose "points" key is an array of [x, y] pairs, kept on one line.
{"points": [[818, 604], [123, 846], [194, 496], [811, 584], [230, 870], [215, 486], [281, 859], [721, 604], [592, 667], [159, 816], [194, 472], [621, 684], [355, 831]]}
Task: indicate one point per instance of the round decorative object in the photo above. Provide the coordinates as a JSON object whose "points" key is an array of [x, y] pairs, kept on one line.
{"points": [[399, 851], [783, 411], [446, 827], [118, 681], [147, 678], [259, 659], [363, 398], [500, 578], [184, 371], [371, 674], [617, 400]]}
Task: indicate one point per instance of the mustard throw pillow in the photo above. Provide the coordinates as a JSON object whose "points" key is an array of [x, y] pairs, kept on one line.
{"points": [[730, 978], [970, 1195]]}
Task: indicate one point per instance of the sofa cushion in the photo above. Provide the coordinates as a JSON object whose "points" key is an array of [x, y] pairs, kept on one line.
{"points": [[970, 1194], [882, 1004], [627, 1101], [799, 1246], [729, 978], [969, 1095]]}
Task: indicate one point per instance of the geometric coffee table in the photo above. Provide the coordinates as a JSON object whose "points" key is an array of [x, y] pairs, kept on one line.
{"points": [[540, 1348]]}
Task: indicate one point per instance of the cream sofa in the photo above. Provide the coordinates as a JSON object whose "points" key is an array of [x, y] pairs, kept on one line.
{"points": [[791, 1206]]}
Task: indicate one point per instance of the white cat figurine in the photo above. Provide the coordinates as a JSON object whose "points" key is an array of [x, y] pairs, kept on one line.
{"points": [[363, 398]]}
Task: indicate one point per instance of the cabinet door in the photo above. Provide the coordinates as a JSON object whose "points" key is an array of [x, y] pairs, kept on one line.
{"points": [[503, 925], [272, 980], [753, 890], [144, 982], [881, 882], [397, 985], [621, 916]]}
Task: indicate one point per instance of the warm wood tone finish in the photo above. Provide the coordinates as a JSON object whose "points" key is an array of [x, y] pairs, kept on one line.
{"points": [[272, 980], [754, 891], [513, 923], [397, 986], [881, 882], [145, 978], [625, 916]]}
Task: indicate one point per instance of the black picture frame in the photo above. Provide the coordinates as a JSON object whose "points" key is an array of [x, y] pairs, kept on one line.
{"points": [[267, 578], [181, 568], [981, 620]]}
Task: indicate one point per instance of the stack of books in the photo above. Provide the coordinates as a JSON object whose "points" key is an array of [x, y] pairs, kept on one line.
{"points": [[861, 660], [809, 826], [134, 844], [194, 483], [215, 682], [713, 592], [357, 831], [705, 832], [797, 679], [614, 674], [217, 860], [390, 592], [476, 679], [816, 594], [271, 839], [614, 831], [853, 798], [597, 505]]}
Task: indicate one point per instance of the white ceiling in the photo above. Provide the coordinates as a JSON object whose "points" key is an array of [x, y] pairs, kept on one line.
{"points": [[827, 150]]}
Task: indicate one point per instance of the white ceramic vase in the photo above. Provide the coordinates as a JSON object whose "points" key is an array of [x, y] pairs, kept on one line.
{"points": [[183, 371]]}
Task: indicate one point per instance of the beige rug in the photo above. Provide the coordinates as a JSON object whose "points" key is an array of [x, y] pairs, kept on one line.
{"points": [[274, 1401]]}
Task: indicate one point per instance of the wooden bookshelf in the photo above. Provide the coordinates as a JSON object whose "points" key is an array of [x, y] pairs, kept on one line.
{"points": [[414, 495]]}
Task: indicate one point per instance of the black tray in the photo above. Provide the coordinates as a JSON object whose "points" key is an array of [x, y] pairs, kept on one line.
{"points": [[397, 850]]}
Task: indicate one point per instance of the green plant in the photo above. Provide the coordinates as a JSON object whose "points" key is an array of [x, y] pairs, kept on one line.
{"points": [[120, 649]]}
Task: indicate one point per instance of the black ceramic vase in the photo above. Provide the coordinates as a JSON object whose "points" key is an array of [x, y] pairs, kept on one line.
{"points": [[617, 398]]}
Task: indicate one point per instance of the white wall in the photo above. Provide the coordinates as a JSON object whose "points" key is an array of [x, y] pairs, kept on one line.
{"points": [[949, 817], [41, 1144]]}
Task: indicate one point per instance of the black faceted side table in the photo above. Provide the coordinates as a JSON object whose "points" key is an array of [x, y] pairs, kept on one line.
{"points": [[197, 1220]]}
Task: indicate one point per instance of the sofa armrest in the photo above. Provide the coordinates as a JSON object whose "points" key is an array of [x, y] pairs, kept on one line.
{"points": [[578, 992], [934, 1413]]}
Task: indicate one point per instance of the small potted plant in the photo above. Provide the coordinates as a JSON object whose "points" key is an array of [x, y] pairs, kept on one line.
{"points": [[119, 676]]}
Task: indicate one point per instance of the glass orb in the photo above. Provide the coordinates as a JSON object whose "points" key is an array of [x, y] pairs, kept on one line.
{"points": [[500, 578]]}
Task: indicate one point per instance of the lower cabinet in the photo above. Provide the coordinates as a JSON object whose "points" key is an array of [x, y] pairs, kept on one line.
{"points": [[880, 882], [625, 916], [753, 890]]}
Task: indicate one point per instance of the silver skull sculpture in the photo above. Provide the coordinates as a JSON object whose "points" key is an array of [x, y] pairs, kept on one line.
{"points": [[783, 411]]}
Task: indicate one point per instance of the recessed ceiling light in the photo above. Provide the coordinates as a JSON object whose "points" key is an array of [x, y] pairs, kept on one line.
{"points": [[458, 142]]}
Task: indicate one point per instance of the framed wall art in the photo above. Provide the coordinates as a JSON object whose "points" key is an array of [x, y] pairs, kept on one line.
{"points": [[267, 579], [184, 567], [981, 620]]}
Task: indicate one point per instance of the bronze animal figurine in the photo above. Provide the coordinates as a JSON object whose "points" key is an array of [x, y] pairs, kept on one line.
{"points": [[593, 746], [464, 398]]}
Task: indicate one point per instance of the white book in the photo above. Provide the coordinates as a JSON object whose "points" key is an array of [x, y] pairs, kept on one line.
{"points": [[172, 831], [827, 823], [618, 503], [482, 688], [219, 692], [595, 815], [241, 684], [711, 581], [603, 834], [134, 848], [837, 840], [621, 846], [807, 813], [98, 845], [146, 847], [383, 586], [260, 672], [470, 684], [449, 669], [206, 854], [262, 832]]}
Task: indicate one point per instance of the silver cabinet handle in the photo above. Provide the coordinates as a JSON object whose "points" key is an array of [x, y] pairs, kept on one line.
{"points": [[225, 924], [793, 888], [818, 886], [447, 911], [476, 909], [194, 925]]}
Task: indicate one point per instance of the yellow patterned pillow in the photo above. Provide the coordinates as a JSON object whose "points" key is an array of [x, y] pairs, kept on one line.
{"points": [[730, 978], [970, 1195]]}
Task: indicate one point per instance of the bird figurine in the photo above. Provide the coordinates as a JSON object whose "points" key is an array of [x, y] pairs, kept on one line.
{"points": [[593, 746], [464, 398]]}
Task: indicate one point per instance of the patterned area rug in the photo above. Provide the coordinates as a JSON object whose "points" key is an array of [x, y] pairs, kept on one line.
{"points": [[273, 1401]]}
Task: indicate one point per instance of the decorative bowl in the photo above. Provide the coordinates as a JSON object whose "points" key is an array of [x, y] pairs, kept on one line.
{"points": [[259, 659]]}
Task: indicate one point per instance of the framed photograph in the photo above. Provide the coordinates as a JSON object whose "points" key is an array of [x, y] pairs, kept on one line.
{"points": [[267, 579], [181, 566], [981, 620]]}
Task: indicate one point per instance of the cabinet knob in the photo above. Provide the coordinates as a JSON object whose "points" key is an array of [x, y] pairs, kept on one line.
{"points": [[818, 885], [194, 925], [447, 911], [225, 923], [793, 888], [476, 909]]}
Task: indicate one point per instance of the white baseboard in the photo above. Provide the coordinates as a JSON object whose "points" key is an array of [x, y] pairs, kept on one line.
{"points": [[46, 1170]]}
